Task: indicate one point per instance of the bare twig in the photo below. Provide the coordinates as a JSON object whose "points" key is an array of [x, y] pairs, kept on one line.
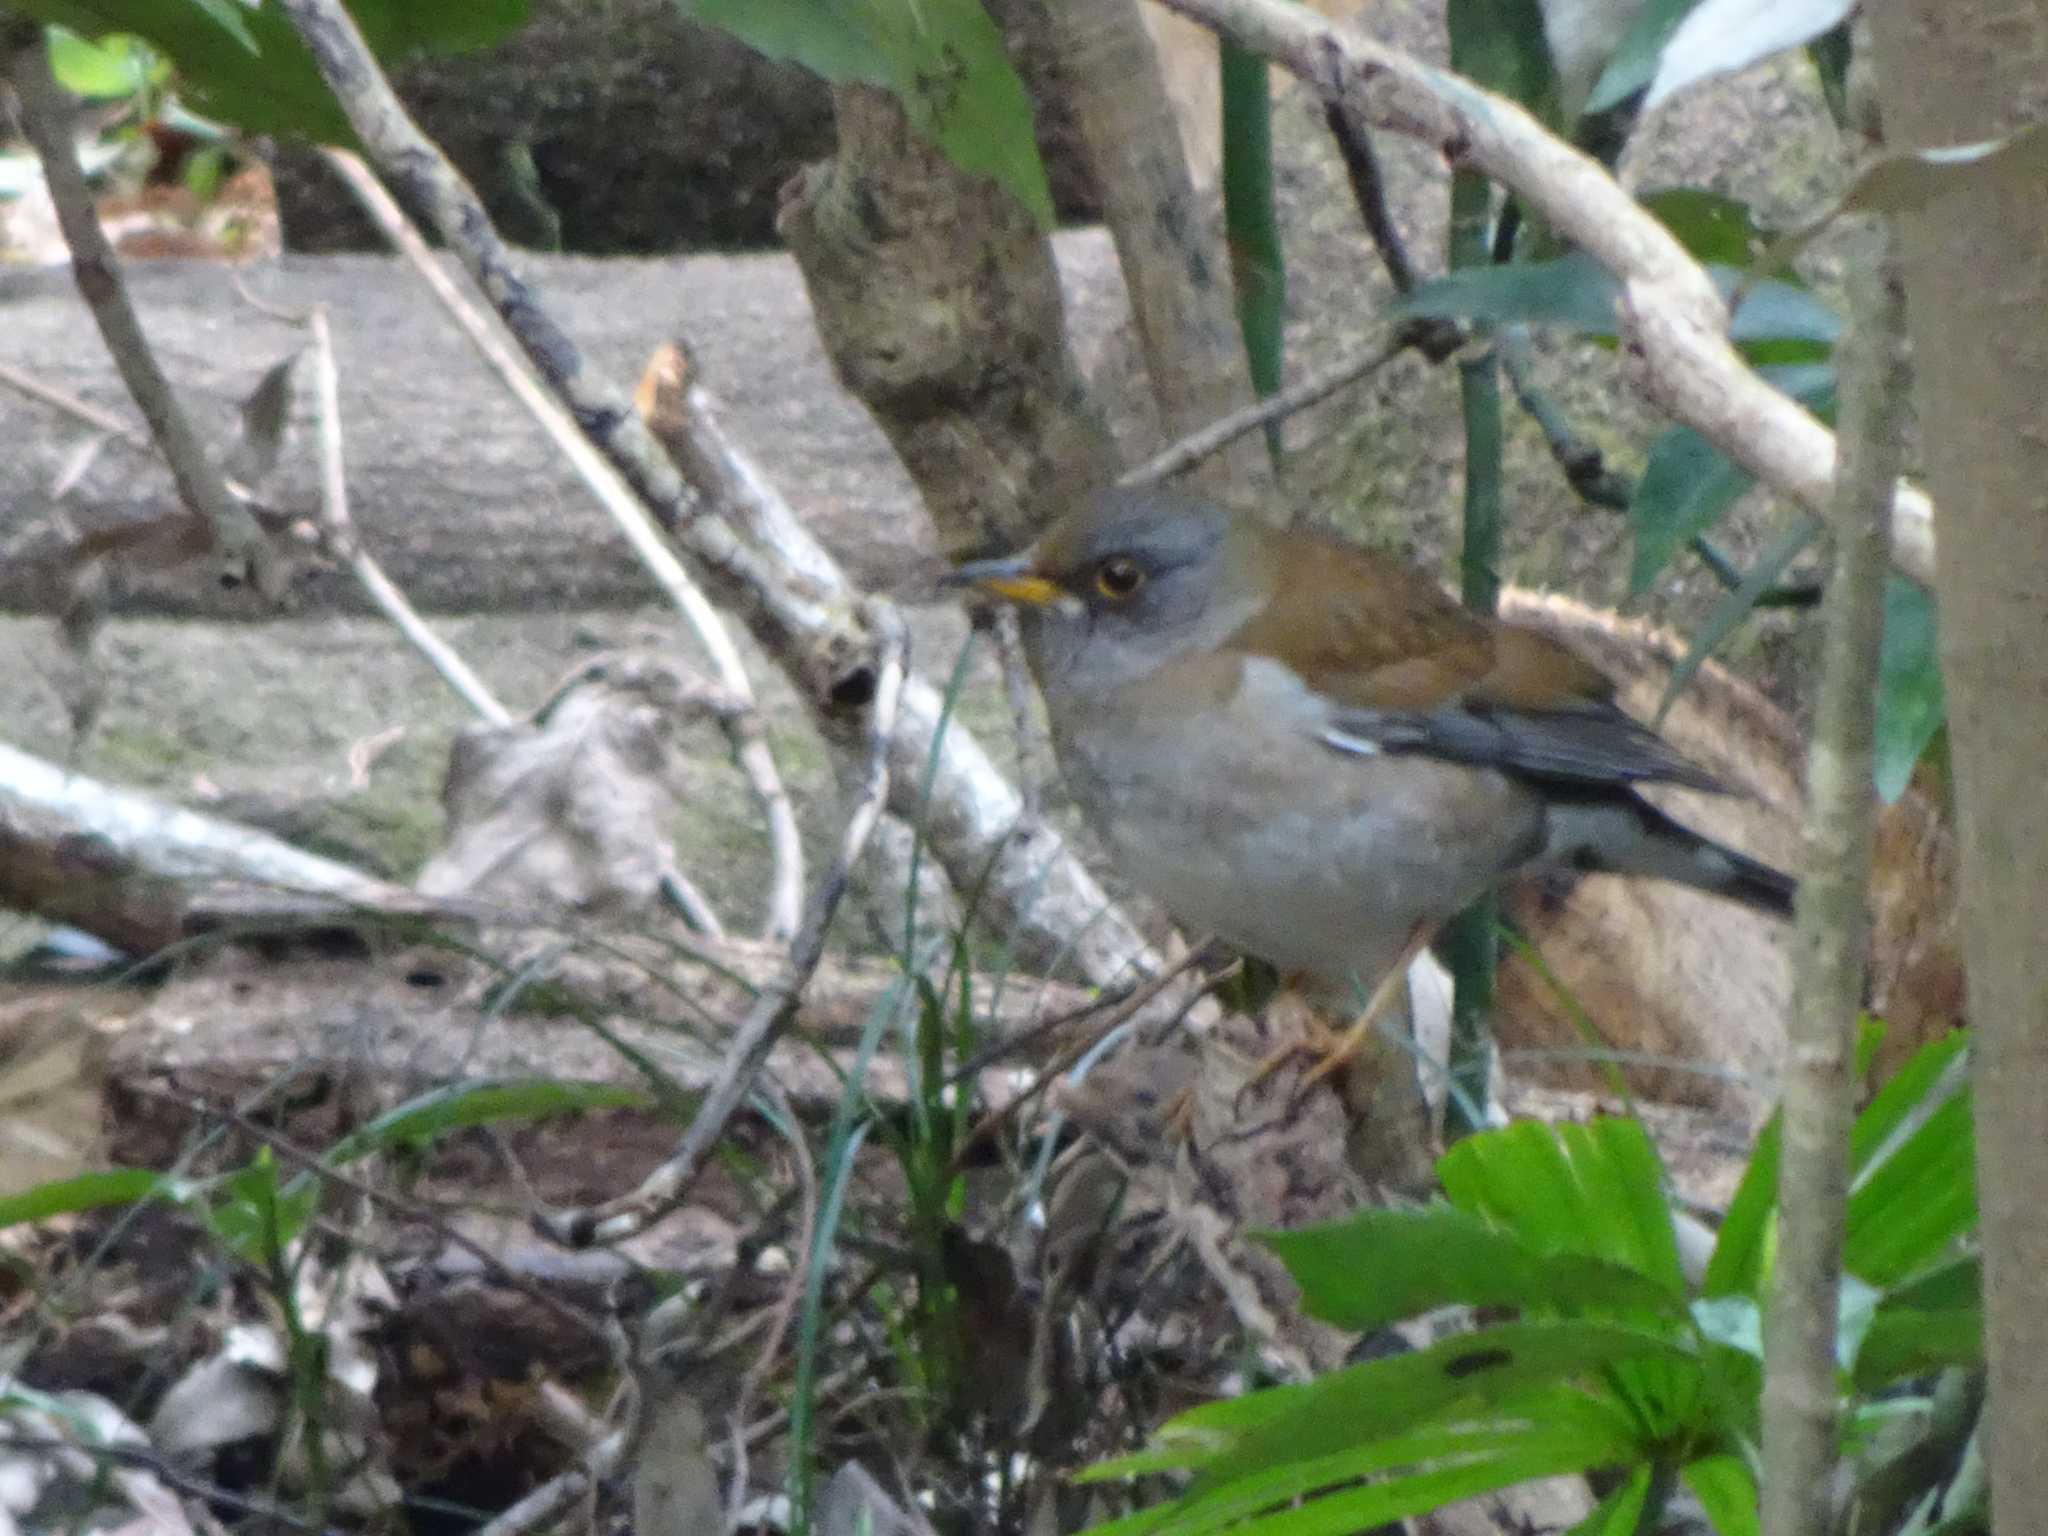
{"points": [[1369, 190], [1313, 390], [92, 415], [44, 122], [666, 1187], [553, 1498], [340, 535], [756, 761], [1673, 321], [801, 609], [1799, 1396]]}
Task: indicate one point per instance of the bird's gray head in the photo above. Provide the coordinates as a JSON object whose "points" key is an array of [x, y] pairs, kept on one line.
{"points": [[1125, 582]]}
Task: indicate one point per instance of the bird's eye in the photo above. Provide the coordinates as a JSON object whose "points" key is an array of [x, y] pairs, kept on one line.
{"points": [[1119, 576]]}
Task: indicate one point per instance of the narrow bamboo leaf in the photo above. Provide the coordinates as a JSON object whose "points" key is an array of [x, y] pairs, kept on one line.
{"points": [[1721, 36], [1727, 1492], [1739, 604], [1635, 59], [1907, 1212], [1931, 1076], [1688, 484], [86, 1192], [1574, 292], [1501, 45], [1621, 1511], [1380, 1265], [1742, 1249], [1911, 705], [460, 1106]]}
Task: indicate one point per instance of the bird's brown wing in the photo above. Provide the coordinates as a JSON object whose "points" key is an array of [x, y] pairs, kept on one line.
{"points": [[1411, 671]]}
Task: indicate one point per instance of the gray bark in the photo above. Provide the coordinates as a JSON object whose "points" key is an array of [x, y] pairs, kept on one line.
{"points": [[453, 489], [1955, 72]]}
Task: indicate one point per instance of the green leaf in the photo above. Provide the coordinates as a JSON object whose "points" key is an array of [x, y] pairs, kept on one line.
{"points": [[1469, 1373], [1688, 484], [460, 1106], [1621, 1511], [1911, 705], [244, 64], [1891, 1126], [1904, 1342], [1379, 1265], [1743, 1247], [836, 42], [1739, 604], [256, 1219], [1635, 59], [1714, 229], [86, 1192], [1501, 45], [942, 59], [1727, 1492], [1906, 1210], [1537, 1434], [102, 71], [1576, 293], [1595, 1189]]}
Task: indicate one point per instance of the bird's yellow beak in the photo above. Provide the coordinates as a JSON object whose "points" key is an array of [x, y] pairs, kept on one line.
{"points": [[1010, 578]]}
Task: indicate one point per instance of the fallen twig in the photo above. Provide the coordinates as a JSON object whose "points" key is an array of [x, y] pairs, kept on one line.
{"points": [[340, 535], [756, 761], [665, 1188]]}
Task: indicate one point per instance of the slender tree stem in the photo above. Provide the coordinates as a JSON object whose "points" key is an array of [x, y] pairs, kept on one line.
{"points": [[1799, 1400]]}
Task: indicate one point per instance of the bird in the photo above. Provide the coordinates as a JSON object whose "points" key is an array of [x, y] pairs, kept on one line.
{"points": [[1312, 752]]}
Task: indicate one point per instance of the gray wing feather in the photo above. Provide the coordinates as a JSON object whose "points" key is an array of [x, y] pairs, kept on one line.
{"points": [[1596, 745]]}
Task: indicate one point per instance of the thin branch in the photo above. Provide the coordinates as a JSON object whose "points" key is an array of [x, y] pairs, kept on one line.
{"points": [[668, 1185], [1312, 390], [756, 761], [1369, 191], [1799, 1396], [1173, 258], [92, 415], [340, 535], [45, 122], [791, 594], [1674, 324]]}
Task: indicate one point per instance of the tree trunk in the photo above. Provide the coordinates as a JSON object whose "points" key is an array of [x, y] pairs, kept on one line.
{"points": [[1953, 72]]}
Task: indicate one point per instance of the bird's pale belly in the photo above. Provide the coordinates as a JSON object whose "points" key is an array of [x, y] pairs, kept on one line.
{"points": [[1307, 859]]}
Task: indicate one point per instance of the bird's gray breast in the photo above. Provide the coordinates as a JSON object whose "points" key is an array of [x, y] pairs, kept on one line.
{"points": [[1243, 823]]}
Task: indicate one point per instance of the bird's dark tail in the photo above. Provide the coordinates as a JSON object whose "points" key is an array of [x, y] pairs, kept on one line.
{"points": [[1624, 834]]}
